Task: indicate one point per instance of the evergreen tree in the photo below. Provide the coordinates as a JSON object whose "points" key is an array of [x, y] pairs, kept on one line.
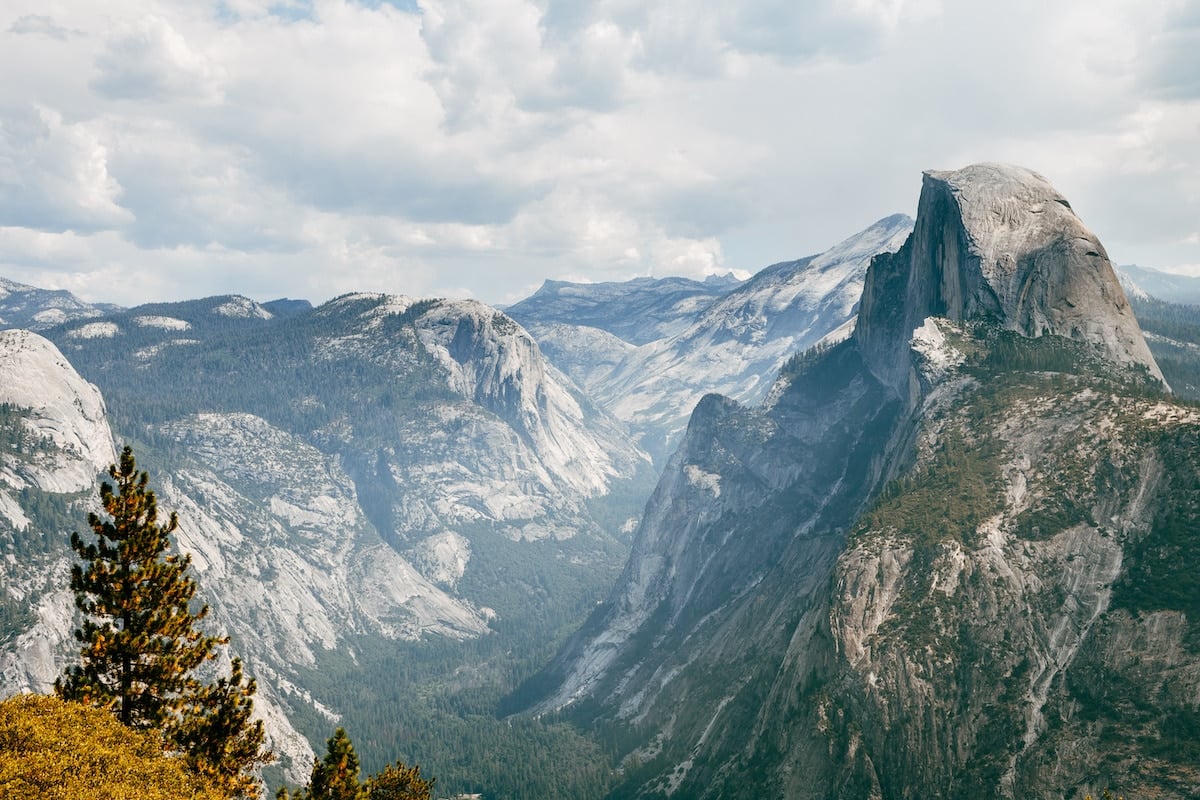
{"points": [[220, 739], [399, 782], [336, 778], [141, 644]]}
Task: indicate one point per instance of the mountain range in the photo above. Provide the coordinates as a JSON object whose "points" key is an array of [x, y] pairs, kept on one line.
{"points": [[712, 337], [908, 518]]}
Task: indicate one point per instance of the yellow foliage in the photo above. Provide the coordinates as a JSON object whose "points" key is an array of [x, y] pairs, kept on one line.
{"points": [[51, 749]]}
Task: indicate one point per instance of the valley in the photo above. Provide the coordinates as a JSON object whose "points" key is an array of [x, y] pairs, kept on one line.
{"points": [[907, 518]]}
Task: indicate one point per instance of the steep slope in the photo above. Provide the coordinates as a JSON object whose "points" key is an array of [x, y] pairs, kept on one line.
{"points": [[1164, 285], [998, 243], [54, 442], [900, 575], [273, 593], [647, 355], [36, 309], [988, 609], [1173, 334], [738, 344]]}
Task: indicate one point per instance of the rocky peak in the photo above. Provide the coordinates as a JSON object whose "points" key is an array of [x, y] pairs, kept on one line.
{"points": [[999, 243], [61, 409], [493, 361]]}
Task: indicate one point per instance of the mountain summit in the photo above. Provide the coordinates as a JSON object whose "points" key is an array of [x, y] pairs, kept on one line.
{"points": [[999, 243]]}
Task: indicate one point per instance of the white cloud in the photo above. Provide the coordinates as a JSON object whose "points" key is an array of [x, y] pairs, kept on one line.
{"points": [[148, 59], [313, 148], [54, 174]]}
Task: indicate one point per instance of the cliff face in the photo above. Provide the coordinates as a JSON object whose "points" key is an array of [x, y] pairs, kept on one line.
{"points": [[911, 572], [997, 242], [727, 338]]}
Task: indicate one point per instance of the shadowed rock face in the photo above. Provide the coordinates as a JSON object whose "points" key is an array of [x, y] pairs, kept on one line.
{"points": [[997, 242]]}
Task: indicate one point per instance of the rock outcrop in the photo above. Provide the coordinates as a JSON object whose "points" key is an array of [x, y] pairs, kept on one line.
{"points": [[997, 243]]}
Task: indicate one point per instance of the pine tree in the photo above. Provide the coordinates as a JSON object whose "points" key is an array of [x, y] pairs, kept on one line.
{"points": [[336, 778], [140, 643], [399, 782], [221, 740]]}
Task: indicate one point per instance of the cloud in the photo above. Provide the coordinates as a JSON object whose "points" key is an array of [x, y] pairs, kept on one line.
{"points": [[54, 174], [1173, 58], [148, 59], [41, 25], [330, 145]]}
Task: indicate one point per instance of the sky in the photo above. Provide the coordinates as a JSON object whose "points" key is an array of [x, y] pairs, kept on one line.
{"points": [[159, 150]]}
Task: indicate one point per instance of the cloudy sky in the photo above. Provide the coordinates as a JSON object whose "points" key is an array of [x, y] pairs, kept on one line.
{"points": [[165, 150]]}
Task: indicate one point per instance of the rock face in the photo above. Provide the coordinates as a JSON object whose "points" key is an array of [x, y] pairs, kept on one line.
{"points": [[56, 442], [980, 633], [997, 242], [60, 410], [638, 311], [904, 574]]}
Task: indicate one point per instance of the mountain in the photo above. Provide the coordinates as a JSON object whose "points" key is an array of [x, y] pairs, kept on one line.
{"points": [[1173, 334], [945, 557], [738, 344], [1172, 328], [1181, 289], [613, 340], [379, 486], [279, 594], [36, 309], [54, 441], [636, 311]]}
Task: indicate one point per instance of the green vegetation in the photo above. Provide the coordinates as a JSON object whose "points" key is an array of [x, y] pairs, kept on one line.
{"points": [[1175, 342], [944, 500], [336, 778], [287, 371], [1159, 573], [439, 703], [326, 381]]}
